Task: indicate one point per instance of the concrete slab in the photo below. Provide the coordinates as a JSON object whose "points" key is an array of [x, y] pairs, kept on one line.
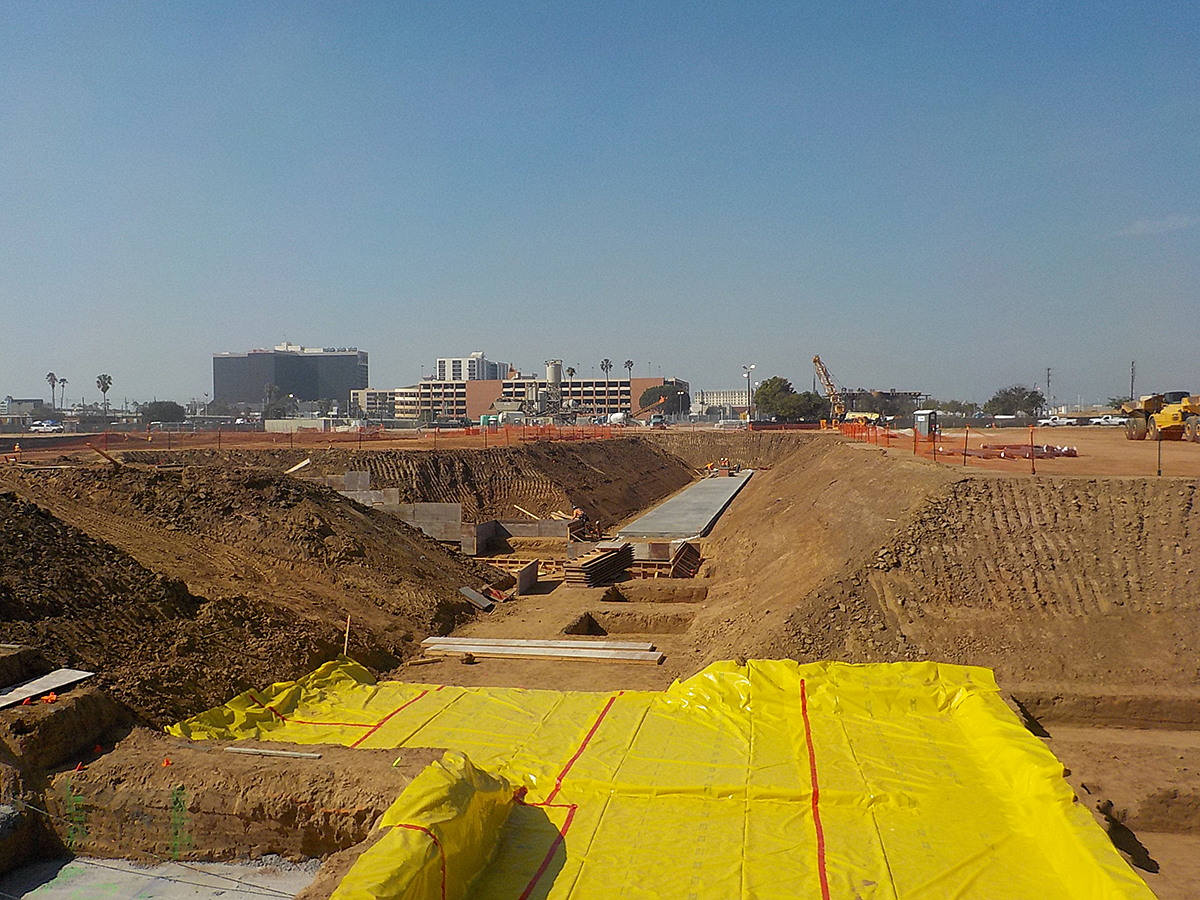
{"points": [[39, 687], [691, 513], [81, 877]]}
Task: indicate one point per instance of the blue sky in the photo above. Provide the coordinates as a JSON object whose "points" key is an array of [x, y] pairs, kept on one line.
{"points": [[946, 197]]}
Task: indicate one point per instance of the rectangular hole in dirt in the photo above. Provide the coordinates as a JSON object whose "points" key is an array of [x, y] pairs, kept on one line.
{"points": [[603, 622]]}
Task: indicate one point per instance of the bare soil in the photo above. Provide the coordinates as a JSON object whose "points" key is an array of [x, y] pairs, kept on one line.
{"points": [[611, 479], [184, 587], [156, 797], [1078, 585]]}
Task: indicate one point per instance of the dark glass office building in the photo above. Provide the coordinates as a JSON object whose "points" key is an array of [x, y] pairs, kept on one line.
{"points": [[307, 373]]}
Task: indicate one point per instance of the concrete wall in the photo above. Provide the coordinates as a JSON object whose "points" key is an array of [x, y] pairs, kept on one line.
{"points": [[540, 528], [476, 539], [527, 578]]}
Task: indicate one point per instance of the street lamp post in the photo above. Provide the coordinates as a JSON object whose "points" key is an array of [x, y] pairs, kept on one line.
{"points": [[748, 374]]}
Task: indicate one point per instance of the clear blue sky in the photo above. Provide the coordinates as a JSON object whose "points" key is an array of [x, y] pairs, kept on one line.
{"points": [[946, 197]]}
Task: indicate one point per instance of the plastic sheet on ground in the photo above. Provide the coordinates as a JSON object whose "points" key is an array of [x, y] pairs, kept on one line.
{"points": [[768, 780]]}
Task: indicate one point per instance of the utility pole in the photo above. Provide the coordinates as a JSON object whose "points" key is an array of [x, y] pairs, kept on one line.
{"points": [[1132, 372]]}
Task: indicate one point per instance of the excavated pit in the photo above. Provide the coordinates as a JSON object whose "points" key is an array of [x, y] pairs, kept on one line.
{"points": [[603, 622], [1079, 592]]}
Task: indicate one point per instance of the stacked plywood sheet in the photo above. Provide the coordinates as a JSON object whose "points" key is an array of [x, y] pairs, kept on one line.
{"points": [[684, 563], [597, 651], [604, 565]]}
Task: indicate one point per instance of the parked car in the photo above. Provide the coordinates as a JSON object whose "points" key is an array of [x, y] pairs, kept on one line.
{"points": [[1109, 419], [46, 427], [1054, 421]]}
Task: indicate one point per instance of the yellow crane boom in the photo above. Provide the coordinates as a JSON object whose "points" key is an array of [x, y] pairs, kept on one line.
{"points": [[837, 403]]}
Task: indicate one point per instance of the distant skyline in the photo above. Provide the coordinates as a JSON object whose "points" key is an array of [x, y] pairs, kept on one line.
{"points": [[937, 197]]}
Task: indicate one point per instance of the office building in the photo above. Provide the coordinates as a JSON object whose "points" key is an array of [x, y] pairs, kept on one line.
{"points": [[306, 373]]}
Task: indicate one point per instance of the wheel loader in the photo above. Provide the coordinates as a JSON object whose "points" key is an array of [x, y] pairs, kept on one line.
{"points": [[1173, 416]]}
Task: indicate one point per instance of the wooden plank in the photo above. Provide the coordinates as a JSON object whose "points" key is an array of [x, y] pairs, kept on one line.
{"points": [[501, 642], [477, 599], [115, 462], [258, 751], [483, 650], [39, 687]]}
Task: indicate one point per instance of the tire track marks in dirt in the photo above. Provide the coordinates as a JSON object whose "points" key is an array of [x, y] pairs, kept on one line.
{"points": [[1041, 577]]}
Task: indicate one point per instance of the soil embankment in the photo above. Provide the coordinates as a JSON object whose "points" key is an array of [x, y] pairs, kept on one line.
{"points": [[610, 479], [182, 588]]}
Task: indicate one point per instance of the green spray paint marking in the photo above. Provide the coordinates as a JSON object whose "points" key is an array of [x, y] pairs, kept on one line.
{"points": [[76, 816], [181, 839]]}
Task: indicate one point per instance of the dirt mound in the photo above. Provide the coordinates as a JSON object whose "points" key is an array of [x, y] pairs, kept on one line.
{"points": [[1083, 585], [1049, 580], [183, 588], [818, 513], [611, 479]]}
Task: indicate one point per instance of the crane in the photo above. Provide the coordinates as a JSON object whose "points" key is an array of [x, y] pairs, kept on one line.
{"points": [[837, 403]]}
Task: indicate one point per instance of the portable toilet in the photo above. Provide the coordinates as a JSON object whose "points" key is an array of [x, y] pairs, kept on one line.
{"points": [[925, 422]]}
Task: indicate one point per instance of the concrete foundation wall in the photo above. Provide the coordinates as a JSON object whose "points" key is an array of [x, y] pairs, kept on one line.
{"points": [[527, 578], [441, 521], [540, 528]]}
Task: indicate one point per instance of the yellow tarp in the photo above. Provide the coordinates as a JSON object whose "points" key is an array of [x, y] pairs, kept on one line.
{"points": [[769, 780]]}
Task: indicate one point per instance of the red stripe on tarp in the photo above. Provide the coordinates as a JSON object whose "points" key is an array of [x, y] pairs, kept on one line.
{"points": [[383, 721], [582, 746], [816, 793], [436, 843], [558, 842]]}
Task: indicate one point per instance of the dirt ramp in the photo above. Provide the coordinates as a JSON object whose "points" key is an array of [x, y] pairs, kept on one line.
{"points": [[816, 515]]}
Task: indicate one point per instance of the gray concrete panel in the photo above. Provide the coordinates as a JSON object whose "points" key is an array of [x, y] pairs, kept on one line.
{"points": [[690, 513]]}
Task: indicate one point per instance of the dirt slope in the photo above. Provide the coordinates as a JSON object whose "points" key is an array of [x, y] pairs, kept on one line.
{"points": [[1080, 579], [188, 586], [816, 514], [610, 479]]}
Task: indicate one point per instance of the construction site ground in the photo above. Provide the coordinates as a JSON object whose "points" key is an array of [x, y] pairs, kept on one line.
{"points": [[186, 576]]}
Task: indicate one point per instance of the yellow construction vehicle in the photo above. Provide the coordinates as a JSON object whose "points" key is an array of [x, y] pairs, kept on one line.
{"points": [[837, 402], [1172, 416]]}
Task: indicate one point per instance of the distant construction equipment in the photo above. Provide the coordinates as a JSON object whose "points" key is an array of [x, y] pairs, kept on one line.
{"points": [[837, 400], [1173, 416], [843, 402]]}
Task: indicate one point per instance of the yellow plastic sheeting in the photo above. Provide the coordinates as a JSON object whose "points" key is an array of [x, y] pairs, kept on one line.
{"points": [[768, 780], [441, 833]]}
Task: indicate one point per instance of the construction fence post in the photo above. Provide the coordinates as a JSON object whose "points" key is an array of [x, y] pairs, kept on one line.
{"points": [[1032, 454], [966, 437]]}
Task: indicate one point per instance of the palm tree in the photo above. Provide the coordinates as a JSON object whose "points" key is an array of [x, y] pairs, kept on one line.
{"points": [[104, 382], [629, 366], [52, 380], [606, 367], [570, 371], [62, 383]]}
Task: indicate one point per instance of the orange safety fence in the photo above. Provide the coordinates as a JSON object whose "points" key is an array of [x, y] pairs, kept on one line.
{"points": [[956, 448], [416, 438]]}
